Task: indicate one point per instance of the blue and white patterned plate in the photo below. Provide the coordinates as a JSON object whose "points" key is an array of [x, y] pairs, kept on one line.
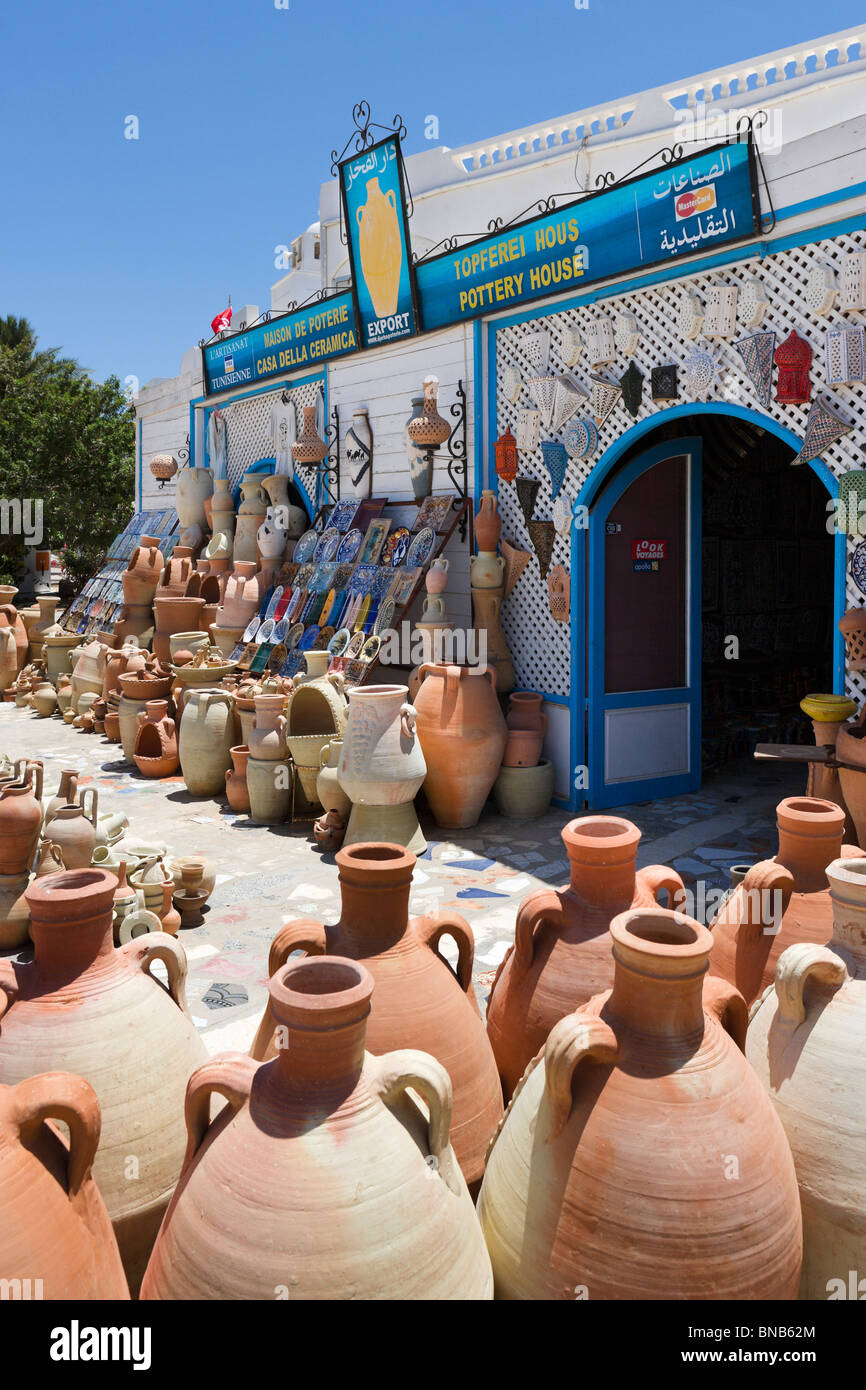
{"points": [[423, 543], [327, 544], [349, 546], [858, 567], [305, 546]]}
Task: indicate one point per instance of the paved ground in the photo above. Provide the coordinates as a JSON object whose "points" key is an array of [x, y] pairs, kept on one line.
{"points": [[268, 875]]}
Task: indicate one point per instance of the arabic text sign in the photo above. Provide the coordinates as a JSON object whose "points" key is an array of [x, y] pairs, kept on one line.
{"points": [[376, 227], [695, 205], [306, 338]]}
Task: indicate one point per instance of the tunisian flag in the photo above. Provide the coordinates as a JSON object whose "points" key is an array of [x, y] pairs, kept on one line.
{"points": [[222, 320]]}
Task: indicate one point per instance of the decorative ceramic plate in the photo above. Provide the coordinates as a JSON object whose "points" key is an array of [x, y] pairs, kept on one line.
{"points": [[361, 616], [858, 566], [433, 511], [355, 646], [309, 638], [385, 618], [306, 546], [266, 631], [344, 514], [327, 544], [422, 545], [251, 628], [339, 642], [349, 546], [281, 630], [327, 606], [370, 649], [294, 636], [324, 637], [273, 602], [397, 547]]}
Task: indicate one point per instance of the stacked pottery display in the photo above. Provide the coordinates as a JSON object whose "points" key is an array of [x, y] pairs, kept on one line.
{"points": [[251, 513], [140, 581], [352, 1208], [419, 1000], [223, 510], [57, 647], [137, 687], [487, 581], [155, 750], [807, 1043], [562, 953], [47, 607], [83, 1006], [781, 900], [462, 735], [593, 1190], [268, 776], [434, 622], [524, 786], [55, 1226], [382, 767]]}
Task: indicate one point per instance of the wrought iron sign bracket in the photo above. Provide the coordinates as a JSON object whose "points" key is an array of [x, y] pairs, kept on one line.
{"points": [[363, 138], [456, 458], [330, 464]]}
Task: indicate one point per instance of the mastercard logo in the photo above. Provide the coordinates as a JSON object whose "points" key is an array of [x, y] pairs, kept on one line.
{"points": [[701, 200]]}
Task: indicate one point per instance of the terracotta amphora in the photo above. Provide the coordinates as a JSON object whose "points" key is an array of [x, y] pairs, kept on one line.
{"points": [[462, 735], [19, 631], [237, 791], [8, 654], [56, 1240], [527, 725], [807, 1043], [488, 524], [73, 830], [84, 1006], [193, 486], [420, 1000], [323, 1176], [267, 739], [562, 953], [143, 573], [67, 793], [20, 821], [207, 734], [781, 900], [607, 1178]]}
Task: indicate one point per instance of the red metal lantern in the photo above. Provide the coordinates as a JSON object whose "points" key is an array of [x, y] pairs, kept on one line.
{"points": [[505, 449], [793, 357]]}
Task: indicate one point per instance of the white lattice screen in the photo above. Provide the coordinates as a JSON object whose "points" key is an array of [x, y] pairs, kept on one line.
{"points": [[247, 426], [540, 646]]}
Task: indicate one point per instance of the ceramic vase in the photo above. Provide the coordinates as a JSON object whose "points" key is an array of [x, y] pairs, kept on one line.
{"points": [[172, 614], [486, 570], [128, 711], [382, 765], [272, 538], [429, 429], [420, 1001], [289, 517], [14, 912], [73, 830], [359, 454], [237, 791], [20, 821], [252, 511], [241, 598], [462, 735], [269, 787], [309, 448], [57, 647], [19, 631], [47, 609], [574, 1206], [329, 789], [486, 608], [192, 487], [143, 573], [8, 654], [222, 508], [488, 525], [267, 739], [420, 458], [206, 737]]}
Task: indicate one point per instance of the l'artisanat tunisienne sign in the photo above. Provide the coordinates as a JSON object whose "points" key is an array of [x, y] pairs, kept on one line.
{"points": [[306, 338], [694, 205]]}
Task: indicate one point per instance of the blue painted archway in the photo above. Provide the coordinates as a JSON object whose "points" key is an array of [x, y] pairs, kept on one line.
{"points": [[598, 478]]}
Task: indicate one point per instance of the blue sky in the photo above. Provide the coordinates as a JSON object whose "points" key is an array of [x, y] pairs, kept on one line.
{"points": [[121, 251]]}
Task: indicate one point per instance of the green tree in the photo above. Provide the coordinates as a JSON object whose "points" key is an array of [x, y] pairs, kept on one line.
{"points": [[68, 442]]}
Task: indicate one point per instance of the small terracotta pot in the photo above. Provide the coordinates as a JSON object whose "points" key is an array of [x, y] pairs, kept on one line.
{"points": [[236, 780]]}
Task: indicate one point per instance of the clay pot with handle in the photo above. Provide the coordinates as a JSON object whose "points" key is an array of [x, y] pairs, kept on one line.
{"points": [[55, 1227], [323, 1175], [67, 793], [420, 1001], [73, 830], [20, 821], [462, 735]]}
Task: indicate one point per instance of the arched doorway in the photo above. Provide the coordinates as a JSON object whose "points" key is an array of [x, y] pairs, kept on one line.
{"points": [[711, 586]]}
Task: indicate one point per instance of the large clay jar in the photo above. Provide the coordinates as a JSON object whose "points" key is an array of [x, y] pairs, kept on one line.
{"points": [[20, 822], [207, 733], [241, 599], [193, 486], [488, 524], [562, 953], [47, 609], [420, 1001], [56, 1240], [19, 631], [780, 900], [73, 831], [128, 711], [381, 762], [251, 513], [89, 670], [329, 789], [267, 739], [269, 787], [237, 791], [222, 508], [143, 573], [8, 654], [83, 1006], [608, 1177], [807, 1042], [462, 735], [57, 647], [323, 1178], [14, 912], [155, 749], [173, 614]]}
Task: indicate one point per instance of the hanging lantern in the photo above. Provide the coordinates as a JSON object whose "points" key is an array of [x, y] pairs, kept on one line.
{"points": [[516, 561], [600, 341], [555, 461], [753, 302], [542, 390], [528, 430], [793, 357], [845, 352], [505, 451], [720, 320], [603, 397], [572, 346], [757, 354], [563, 509], [567, 400], [699, 374], [163, 467], [511, 383], [852, 282], [626, 334], [631, 383], [527, 491], [559, 593], [851, 502], [309, 448], [663, 383], [536, 349], [820, 293], [690, 315], [580, 438], [542, 534]]}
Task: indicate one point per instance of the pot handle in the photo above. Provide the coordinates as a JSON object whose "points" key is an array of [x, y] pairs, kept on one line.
{"points": [[491, 672], [8, 986], [38, 771], [395, 1073], [573, 1039], [302, 935], [746, 905], [432, 928], [94, 802], [655, 877], [793, 970], [159, 945], [231, 1076], [57, 1095], [725, 1002], [545, 905], [408, 719]]}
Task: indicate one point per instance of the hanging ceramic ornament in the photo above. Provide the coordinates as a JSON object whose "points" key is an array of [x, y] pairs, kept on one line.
{"points": [[572, 346], [793, 357], [852, 282], [753, 302], [580, 438], [510, 383], [542, 390], [528, 430], [626, 334], [851, 506], [699, 374], [600, 341], [527, 491], [505, 451], [823, 428], [359, 453], [631, 383], [562, 513], [558, 587], [567, 400], [720, 319], [690, 314], [663, 383], [516, 561], [757, 354], [845, 352], [821, 291], [542, 534], [603, 397], [555, 461], [536, 349]]}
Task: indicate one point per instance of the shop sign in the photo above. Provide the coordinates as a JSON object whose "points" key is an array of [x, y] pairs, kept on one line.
{"points": [[374, 212], [305, 338], [689, 207], [647, 555]]}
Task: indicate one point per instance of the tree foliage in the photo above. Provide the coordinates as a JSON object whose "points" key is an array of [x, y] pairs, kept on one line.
{"points": [[68, 441]]}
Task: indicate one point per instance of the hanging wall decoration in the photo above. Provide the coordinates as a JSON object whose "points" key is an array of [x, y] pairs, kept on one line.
{"points": [[555, 461], [720, 320], [823, 428], [528, 430], [572, 346], [516, 561], [567, 400], [631, 383], [753, 302], [542, 390], [852, 282], [527, 491], [626, 334], [580, 438], [757, 354], [603, 397], [820, 293], [663, 383], [793, 357], [562, 513], [858, 566], [600, 341], [511, 383], [505, 452], [690, 314], [845, 352], [851, 504], [542, 534], [359, 453], [536, 349], [699, 374], [558, 592]]}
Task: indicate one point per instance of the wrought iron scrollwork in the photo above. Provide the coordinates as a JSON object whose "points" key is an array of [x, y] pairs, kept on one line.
{"points": [[362, 137], [329, 468], [182, 454], [457, 450]]}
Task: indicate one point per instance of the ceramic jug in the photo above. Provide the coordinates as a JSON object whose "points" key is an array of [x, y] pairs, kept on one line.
{"points": [[73, 830], [237, 791], [267, 738], [420, 458], [462, 735], [488, 524], [193, 486], [67, 793], [206, 737], [20, 821]]}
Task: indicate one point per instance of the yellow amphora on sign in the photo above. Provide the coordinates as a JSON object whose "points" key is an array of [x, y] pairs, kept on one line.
{"points": [[381, 248]]}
